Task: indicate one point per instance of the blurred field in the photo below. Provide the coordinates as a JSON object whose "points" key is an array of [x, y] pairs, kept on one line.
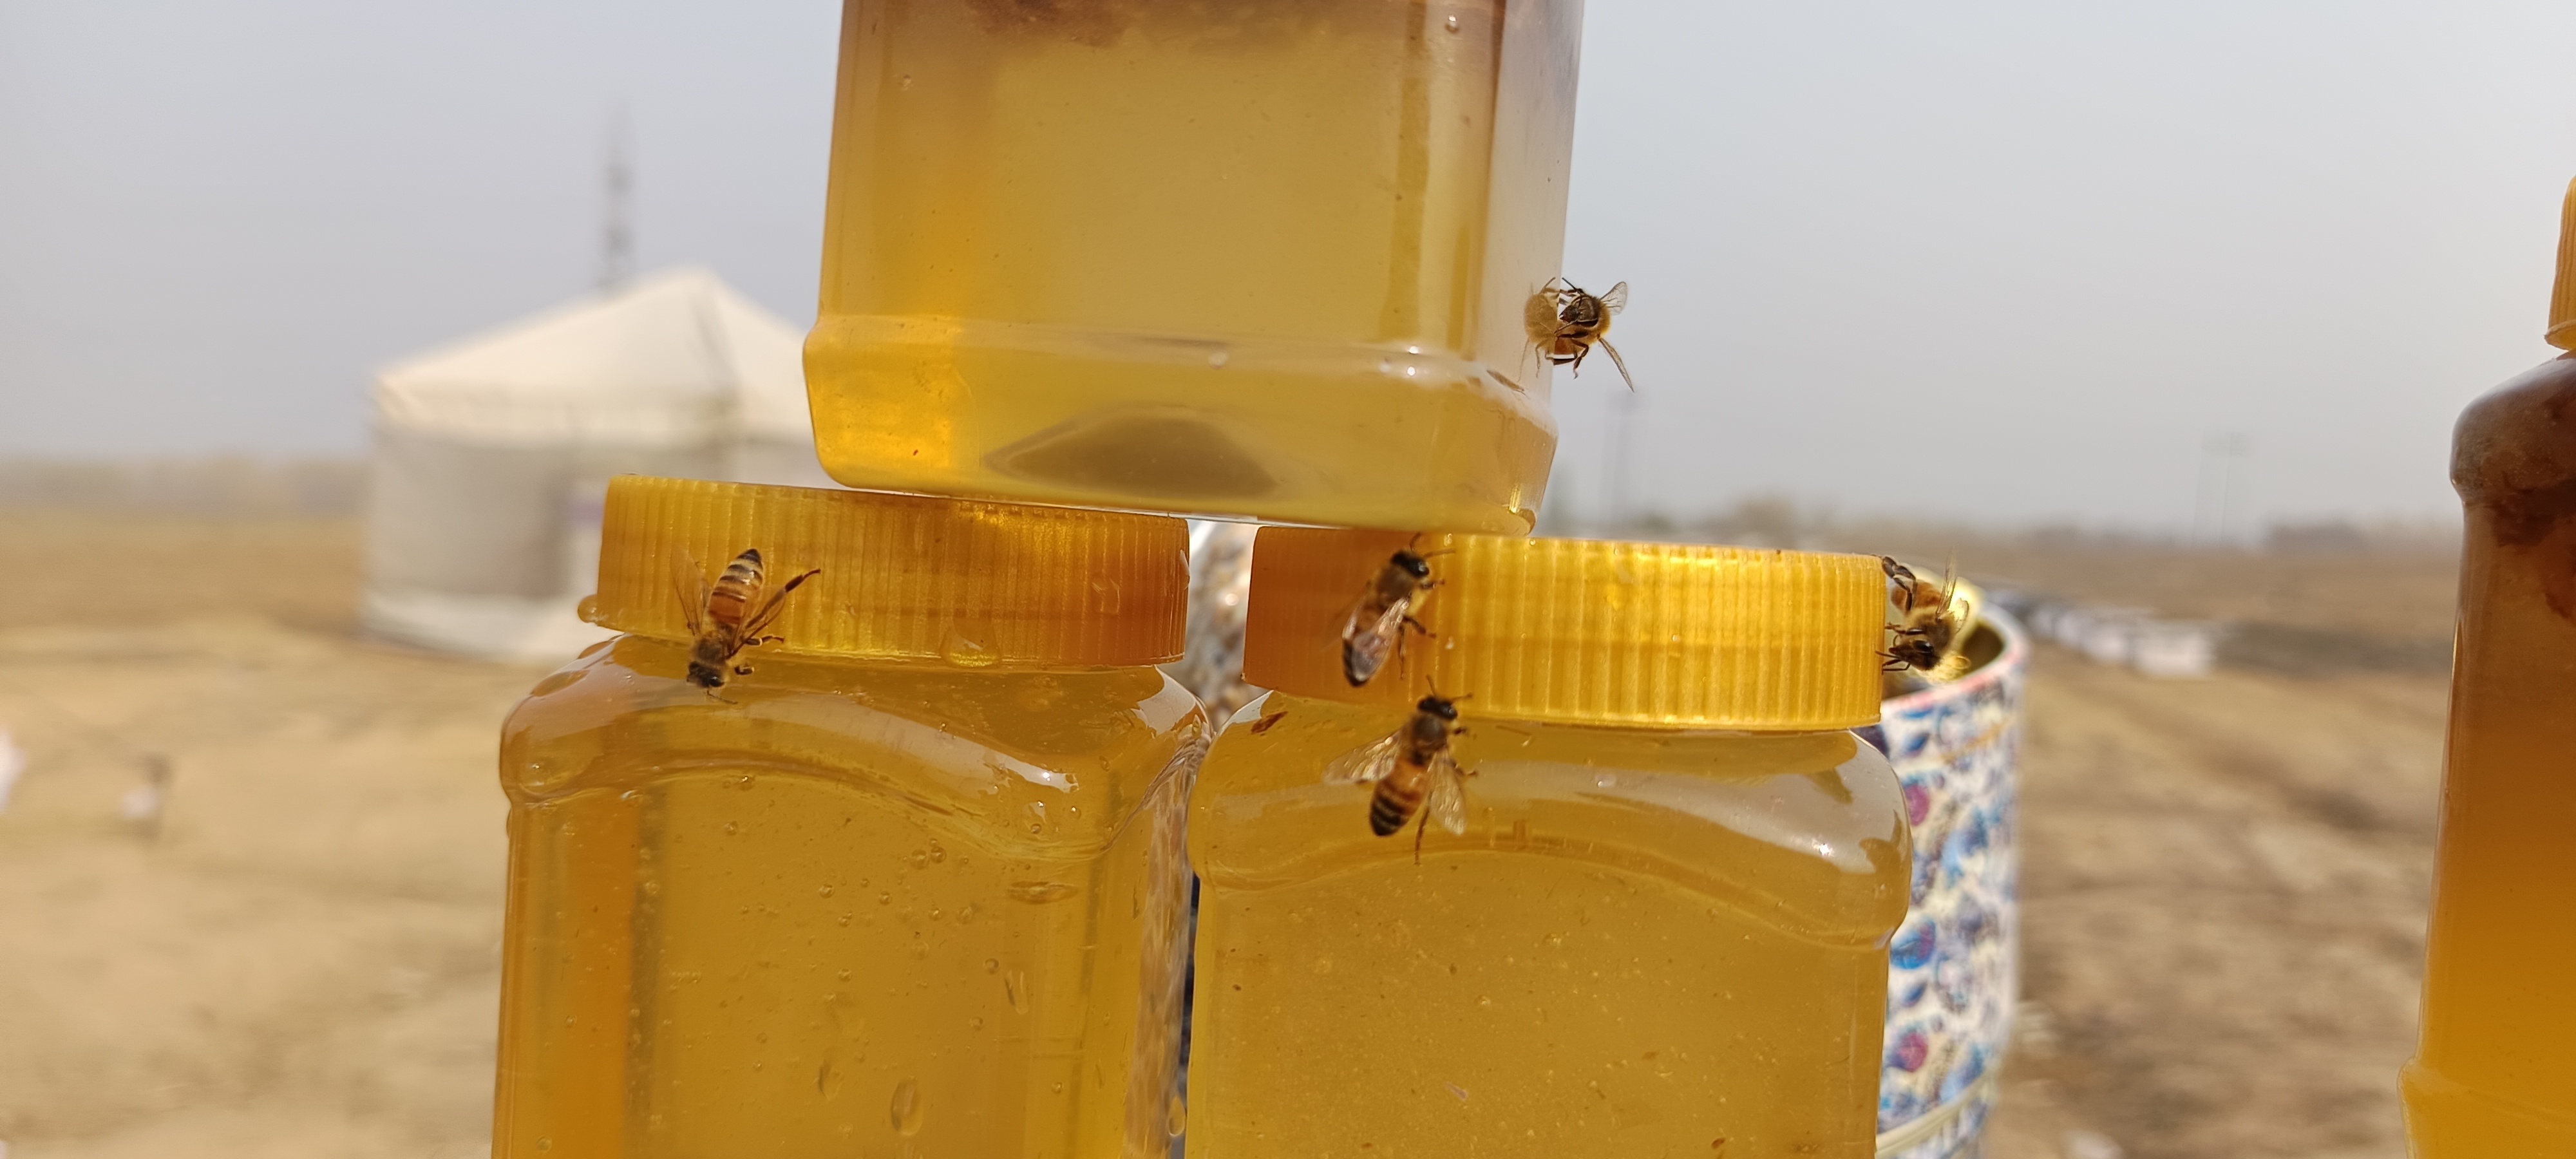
{"points": [[2223, 904], [304, 961], [2225, 879]]}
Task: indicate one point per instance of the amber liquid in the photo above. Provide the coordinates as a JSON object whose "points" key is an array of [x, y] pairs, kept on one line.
{"points": [[858, 911], [2495, 1076], [1261, 258], [1645, 944]]}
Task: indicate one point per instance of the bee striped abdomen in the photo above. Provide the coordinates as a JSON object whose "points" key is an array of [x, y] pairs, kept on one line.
{"points": [[1397, 798], [731, 598]]}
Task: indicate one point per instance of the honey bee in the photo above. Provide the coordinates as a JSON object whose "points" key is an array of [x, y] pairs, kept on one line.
{"points": [[1929, 620], [1413, 771], [1566, 322], [1384, 612], [726, 617]]}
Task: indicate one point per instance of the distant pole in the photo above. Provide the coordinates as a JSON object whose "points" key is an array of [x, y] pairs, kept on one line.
{"points": [[2231, 495], [617, 236], [2213, 511], [2204, 492]]}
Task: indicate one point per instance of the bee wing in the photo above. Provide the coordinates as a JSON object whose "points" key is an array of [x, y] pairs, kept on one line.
{"points": [[1366, 642], [770, 607], [1619, 362], [689, 582], [1448, 799], [1617, 299], [1365, 765]]}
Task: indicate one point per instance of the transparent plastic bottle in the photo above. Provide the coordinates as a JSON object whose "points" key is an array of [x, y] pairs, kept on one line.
{"points": [[1265, 258], [912, 885], [1664, 930], [2494, 1076]]}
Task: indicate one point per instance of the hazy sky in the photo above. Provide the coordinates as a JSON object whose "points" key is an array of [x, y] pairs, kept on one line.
{"points": [[2009, 262]]}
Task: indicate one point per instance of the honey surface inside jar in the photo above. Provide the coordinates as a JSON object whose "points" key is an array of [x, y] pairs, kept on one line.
{"points": [[1642, 945], [1267, 258], [933, 913]]}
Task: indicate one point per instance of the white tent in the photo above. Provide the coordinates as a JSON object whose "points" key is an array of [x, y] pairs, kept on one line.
{"points": [[493, 455]]}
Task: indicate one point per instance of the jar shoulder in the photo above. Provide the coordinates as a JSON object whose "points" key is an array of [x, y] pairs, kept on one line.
{"points": [[977, 741], [1809, 826], [2517, 443]]}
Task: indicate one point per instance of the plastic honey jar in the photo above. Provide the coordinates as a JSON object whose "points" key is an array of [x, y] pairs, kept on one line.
{"points": [[1267, 258], [2493, 1076], [906, 878], [1660, 926]]}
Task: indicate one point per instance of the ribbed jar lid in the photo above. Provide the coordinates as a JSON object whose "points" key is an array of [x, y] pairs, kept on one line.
{"points": [[1584, 631], [903, 576]]}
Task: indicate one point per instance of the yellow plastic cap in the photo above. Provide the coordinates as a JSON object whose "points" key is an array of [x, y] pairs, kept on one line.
{"points": [[1583, 631], [2562, 303], [903, 577]]}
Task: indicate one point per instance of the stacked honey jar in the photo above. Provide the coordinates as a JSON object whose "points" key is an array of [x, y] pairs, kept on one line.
{"points": [[879, 832]]}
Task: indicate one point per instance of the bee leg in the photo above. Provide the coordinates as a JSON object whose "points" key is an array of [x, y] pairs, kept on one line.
{"points": [[1403, 657], [1421, 829], [742, 670]]}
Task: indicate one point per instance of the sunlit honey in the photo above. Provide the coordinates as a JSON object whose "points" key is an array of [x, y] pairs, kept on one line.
{"points": [[1267, 258], [848, 910]]}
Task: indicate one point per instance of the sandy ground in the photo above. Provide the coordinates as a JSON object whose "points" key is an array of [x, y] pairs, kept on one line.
{"points": [[304, 959], [2224, 884], [2223, 906]]}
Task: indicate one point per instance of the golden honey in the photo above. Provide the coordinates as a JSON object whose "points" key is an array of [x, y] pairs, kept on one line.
{"points": [[1663, 932], [878, 905], [1267, 258], [2494, 1075]]}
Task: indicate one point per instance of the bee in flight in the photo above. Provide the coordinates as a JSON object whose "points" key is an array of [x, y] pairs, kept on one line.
{"points": [[726, 617], [1413, 771], [1567, 321], [1929, 618], [1384, 612]]}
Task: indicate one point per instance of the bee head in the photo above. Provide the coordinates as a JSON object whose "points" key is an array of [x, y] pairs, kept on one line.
{"points": [[1413, 565], [1440, 707]]}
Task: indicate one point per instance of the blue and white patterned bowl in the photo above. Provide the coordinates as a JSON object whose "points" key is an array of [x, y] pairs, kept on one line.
{"points": [[1953, 967]]}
